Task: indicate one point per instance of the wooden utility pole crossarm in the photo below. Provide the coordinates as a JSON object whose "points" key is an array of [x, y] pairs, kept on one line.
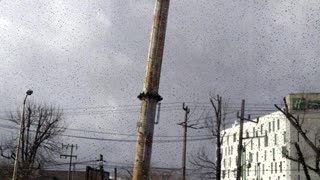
{"points": [[150, 97]]}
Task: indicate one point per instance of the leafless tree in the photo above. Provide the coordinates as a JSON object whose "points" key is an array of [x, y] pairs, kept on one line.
{"points": [[43, 124], [202, 160], [297, 124]]}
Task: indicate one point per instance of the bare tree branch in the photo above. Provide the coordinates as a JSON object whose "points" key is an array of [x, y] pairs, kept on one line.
{"points": [[211, 166], [43, 127], [297, 124]]}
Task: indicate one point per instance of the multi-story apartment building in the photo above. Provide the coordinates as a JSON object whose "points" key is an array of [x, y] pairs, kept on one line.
{"points": [[265, 143]]}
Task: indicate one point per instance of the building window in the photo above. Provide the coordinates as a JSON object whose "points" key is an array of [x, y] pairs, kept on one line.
{"points": [[250, 157], [266, 139], [273, 154], [251, 144], [265, 155], [261, 129], [255, 170], [253, 132], [284, 137], [236, 161], [269, 126], [247, 134], [271, 167], [284, 151], [234, 137], [257, 156], [263, 169], [273, 126], [258, 142], [275, 167], [228, 140], [231, 150], [275, 139], [280, 166], [278, 123], [223, 173]]}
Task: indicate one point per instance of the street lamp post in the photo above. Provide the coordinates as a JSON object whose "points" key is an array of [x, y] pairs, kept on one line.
{"points": [[16, 161]]}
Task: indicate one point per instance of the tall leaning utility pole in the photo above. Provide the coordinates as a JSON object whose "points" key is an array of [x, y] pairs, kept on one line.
{"points": [[150, 97]]}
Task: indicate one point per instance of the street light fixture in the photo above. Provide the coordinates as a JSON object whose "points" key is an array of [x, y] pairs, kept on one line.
{"points": [[29, 92], [16, 161]]}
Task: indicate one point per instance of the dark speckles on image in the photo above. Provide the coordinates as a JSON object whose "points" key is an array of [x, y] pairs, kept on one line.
{"points": [[89, 58]]}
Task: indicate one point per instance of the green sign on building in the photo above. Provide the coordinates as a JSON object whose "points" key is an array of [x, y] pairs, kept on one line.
{"points": [[300, 104]]}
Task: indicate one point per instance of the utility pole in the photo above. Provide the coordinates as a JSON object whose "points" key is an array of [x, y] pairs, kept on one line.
{"points": [[240, 140], [71, 156], [115, 174], [240, 146], [150, 97], [184, 149], [101, 166]]}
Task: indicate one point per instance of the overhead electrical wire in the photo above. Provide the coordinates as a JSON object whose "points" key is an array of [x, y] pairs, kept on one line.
{"points": [[199, 138]]}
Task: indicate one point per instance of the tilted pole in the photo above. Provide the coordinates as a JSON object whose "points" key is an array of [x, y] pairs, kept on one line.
{"points": [[150, 97]]}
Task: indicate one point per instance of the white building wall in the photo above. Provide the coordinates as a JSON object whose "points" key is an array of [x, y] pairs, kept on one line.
{"points": [[263, 144], [265, 141]]}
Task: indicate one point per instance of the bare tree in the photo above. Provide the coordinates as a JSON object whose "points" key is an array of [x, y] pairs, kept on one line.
{"points": [[43, 124], [202, 160], [297, 124]]}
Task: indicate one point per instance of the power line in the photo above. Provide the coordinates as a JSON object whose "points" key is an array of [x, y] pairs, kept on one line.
{"points": [[108, 133], [121, 140]]}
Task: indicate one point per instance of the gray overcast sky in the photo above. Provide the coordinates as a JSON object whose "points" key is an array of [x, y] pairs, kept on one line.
{"points": [[80, 54]]}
